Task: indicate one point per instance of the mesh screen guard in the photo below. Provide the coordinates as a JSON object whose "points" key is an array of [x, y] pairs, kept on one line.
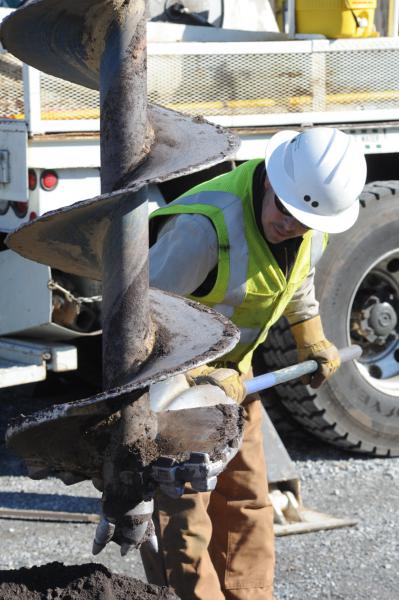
{"points": [[276, 78]]}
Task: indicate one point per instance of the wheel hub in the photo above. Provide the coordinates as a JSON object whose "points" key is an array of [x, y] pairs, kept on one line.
{"points": [[374, 323], [378, 321]]}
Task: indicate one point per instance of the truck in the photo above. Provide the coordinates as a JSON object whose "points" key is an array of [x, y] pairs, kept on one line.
{"points": [[254, 73]]}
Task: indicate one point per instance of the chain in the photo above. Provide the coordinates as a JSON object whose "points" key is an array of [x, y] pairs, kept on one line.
{"points": [[53, 285]]}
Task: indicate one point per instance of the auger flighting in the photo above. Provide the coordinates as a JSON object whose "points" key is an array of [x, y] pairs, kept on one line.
{"points": [[114, 437]]}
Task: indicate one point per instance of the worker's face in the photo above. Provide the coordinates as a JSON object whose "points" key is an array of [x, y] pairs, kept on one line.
{"points": [[278, 225]]}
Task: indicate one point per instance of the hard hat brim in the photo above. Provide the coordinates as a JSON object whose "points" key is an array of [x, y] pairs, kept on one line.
{"points": [[285, 190], [327, 224]]}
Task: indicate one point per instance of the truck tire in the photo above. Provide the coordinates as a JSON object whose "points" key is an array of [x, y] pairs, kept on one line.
{"points": [[357, 284]]}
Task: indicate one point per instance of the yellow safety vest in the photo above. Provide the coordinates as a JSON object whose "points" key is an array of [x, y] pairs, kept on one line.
{"points": [[250, 288]]}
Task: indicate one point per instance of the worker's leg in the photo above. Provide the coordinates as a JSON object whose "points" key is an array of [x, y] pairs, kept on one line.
{"points": [[240, 536], [242, 543], [184, 531]]}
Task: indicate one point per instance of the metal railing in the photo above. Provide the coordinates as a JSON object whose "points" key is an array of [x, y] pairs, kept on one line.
{"points": [[230, 83]]}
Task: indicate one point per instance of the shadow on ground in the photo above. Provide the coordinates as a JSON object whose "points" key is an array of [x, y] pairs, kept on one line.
{"points": [[52, 502]]}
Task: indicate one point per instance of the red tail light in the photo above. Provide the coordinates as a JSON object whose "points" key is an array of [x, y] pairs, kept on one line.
{"points": [[49, 180], [20, 209], [32, 179]]}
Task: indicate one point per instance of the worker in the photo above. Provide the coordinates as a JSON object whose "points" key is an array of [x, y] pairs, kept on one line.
{"points": [[246, 243]]}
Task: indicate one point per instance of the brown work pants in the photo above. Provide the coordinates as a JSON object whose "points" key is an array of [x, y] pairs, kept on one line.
{"points": [[220, 545]]}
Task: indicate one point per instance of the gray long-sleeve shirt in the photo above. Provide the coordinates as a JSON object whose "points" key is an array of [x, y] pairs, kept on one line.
{"points": [[185, 253]]}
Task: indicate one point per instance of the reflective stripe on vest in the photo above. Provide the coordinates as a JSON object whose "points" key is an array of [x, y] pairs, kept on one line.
{"points": [[235, 291], [317, 247]]}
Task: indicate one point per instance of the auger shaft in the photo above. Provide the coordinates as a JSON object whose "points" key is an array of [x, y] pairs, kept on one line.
{"points": [[128, 333], [126, 134]]}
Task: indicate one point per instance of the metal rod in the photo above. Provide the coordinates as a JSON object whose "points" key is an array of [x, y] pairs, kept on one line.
{"points": [[268, 380], [124, 127], [128, 334], [393, 18], [25, 514], [32, 102], [291, 25]]}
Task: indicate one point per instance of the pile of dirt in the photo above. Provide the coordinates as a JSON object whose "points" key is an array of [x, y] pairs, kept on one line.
{"points": [[90, 581]]}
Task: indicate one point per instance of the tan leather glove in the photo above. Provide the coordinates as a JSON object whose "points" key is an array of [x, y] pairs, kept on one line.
{"points": [[312, 344], [228, 380]]}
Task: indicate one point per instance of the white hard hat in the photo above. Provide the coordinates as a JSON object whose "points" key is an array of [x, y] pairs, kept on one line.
{"points": [[318, 175]]}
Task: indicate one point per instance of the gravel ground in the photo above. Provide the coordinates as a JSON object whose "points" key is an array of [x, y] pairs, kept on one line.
{"points": [[357, 563]]}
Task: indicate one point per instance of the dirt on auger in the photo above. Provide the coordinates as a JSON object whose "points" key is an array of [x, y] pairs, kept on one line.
{"points": [[89, 581]]}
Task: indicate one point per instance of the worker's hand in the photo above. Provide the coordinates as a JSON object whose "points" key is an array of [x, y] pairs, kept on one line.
{"points": [[312, 344], [228, 380], [164, 395], [176, 394], [134, 528]]}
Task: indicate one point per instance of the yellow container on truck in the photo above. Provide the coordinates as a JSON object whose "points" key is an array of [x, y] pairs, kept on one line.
{"points": [[336, 18]]}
